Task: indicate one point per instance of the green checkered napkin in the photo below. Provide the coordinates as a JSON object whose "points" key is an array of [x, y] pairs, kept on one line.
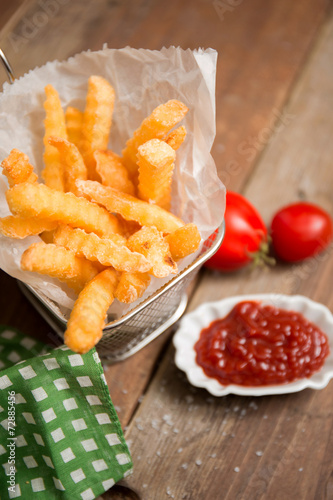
{"points": [[67, 442]]}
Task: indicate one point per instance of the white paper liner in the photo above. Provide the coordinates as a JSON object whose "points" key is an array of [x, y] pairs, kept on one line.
{"points": [[142, 79]]}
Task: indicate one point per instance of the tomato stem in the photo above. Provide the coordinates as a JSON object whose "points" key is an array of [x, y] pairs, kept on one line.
{"points": [[260, 258]]}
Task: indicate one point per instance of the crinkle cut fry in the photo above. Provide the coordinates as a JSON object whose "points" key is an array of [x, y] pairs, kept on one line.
{"points": [[183, 241], [176, 137], [17, 168], [29, 200], [108, 251], [20, 227], [129, 207], [54, 126], [150, 242], [97, 119], [74, 119], [156, 161], [112, 171], [58, 262], [131, 286], [73, 165], [159, 123], [87, 319]]}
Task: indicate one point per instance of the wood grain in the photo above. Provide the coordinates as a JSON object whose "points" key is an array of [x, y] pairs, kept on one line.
{"points": [[268, 447]]}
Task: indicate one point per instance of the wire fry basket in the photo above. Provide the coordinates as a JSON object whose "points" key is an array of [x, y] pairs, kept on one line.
{"points": [[126, 335]]}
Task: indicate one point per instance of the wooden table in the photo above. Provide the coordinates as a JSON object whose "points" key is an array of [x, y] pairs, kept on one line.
{"points": [[274, 144]]}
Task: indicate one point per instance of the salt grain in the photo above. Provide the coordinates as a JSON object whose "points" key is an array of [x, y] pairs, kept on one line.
{"points": [[259, 453], [179, 450], [236, 469], [168, 491], [198, 462], [184, 466], [253, 405]]}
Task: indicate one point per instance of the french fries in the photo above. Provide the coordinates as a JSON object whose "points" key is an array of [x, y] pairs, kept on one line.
{"points": [[150, 242], [155, 126], [73, 165], [17, 168], [32, 200], [19, 227], [59, 263], [109, 251], [54, 126], [176, 137], [129, 207], [103, 219], [74, 119], [156, 160], [131, 286], [183, 241], [112, 172], [85, 325], [96, 122]]}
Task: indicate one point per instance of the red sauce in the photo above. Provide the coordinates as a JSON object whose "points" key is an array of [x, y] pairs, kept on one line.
{"points": [[261, 345]]}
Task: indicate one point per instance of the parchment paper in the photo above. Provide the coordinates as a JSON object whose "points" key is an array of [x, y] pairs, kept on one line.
{"points": [[142, 80]]}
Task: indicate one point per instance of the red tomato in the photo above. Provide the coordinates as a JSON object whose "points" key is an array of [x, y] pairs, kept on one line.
{"points": [[245, 232], [300, 230]]}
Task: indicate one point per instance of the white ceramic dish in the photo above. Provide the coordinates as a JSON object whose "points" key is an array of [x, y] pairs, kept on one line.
{"points": [[192, 323]]}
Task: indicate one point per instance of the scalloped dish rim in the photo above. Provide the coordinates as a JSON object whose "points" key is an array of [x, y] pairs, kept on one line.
{"points": [[192, 323]]}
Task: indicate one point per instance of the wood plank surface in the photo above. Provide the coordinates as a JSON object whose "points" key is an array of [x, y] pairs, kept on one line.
{"points": [[262, 47], [275, 447]]}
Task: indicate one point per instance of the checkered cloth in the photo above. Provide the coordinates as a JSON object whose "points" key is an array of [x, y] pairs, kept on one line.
{"points": [[60, 436]]}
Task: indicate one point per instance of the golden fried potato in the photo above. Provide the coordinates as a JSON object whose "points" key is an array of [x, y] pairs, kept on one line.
{"points": [[19, 227], [131, 286], [30, 200], [161, 120], [73, 165], [129, 207], [87, 319], [111, 251], [183, 241], [74, 119], [47, 236], [156, 161], [150, 242], [176, 137], [112, 172], [54, 125], [97, 120], [58, 262], [17, 168]]}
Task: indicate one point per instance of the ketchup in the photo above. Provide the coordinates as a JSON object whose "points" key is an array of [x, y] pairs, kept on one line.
{"points": [[261, 345]]}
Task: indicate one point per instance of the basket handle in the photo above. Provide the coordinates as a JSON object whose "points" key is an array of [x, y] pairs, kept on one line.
{"points": [[7, 67]]}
